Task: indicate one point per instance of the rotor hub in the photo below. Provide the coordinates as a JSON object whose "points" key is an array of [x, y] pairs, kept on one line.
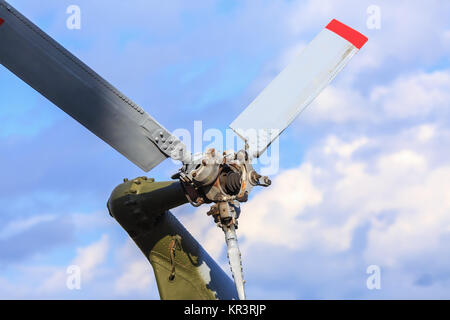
{"points": [[225, 180]]}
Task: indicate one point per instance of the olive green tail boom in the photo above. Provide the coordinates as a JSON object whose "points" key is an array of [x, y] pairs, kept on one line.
{"points": [[183, 269]]}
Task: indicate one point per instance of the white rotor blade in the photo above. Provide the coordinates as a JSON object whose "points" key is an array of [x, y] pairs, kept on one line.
{"points": [[297, 86], [71, 85]]}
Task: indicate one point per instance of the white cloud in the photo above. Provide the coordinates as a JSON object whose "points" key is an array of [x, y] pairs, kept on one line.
{"points": [[338, 105], [203, 229], [400, 194], [135, 272], [424, 132], [92, 221], [402, 197], [408, 29], [408, 97], [138, 276], [91, 257], [88, 259], [131, 276], [413, 95], [334, 145], [270, 216], [385, 79], [391, 177], [391, 184], [22, 224]]}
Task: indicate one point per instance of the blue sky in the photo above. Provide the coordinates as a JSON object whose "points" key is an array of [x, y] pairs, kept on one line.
{"points": [[364, 172]]}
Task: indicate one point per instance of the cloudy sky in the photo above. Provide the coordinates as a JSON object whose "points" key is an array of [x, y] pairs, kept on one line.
{"points": [[364, 175]]}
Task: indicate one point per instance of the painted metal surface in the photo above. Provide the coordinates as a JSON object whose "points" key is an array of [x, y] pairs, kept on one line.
{"points": [[183, 269], [235, 261], [296, 87], [71, 85]]}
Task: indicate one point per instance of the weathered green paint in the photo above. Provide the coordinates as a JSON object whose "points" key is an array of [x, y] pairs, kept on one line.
{"points": [[141, 208]]}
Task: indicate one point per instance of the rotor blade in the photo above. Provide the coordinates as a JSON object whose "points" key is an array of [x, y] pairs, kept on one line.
{"points": [[297, 86], [71, 85]]}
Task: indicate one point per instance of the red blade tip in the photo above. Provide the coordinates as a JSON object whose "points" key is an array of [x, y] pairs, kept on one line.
{"points": [[351, 35]]}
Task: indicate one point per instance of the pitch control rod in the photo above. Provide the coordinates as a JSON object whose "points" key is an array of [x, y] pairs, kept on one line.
{"points": [[225, 215], [234, 259]]}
